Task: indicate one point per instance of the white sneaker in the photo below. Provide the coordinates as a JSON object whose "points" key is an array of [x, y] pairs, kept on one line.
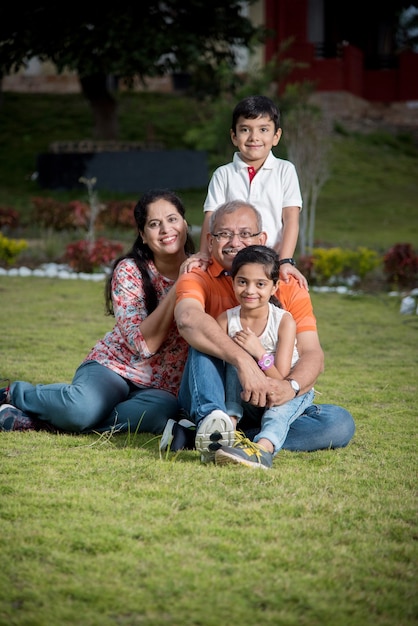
{"points": [[167, 435], [178, 435], [215, 430], [187, 423]]}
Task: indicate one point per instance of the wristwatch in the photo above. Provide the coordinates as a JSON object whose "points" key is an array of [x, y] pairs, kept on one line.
{"points": [[294, 384], [266, 361]]}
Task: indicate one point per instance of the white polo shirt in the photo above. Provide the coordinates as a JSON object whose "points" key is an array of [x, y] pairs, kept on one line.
{"points": [[275, 186]]}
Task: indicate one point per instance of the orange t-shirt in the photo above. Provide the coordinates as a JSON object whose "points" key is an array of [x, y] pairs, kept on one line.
{"points": [[213, 289]]}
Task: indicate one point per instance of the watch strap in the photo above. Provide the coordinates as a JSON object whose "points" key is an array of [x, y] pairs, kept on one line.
{"points": [[266, 361], [294, 384]]}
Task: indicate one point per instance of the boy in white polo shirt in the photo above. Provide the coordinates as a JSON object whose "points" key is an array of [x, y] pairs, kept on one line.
{"points": [[255, 175]]}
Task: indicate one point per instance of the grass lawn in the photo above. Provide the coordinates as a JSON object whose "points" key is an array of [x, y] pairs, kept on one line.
{"points": [[101, 531]]}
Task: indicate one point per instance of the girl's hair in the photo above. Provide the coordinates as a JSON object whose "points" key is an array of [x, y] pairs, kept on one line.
{"points": [[255, 106], [262, 255], [140, 252]]}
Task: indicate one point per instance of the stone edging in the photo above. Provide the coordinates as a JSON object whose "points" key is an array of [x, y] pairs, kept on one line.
{"points": [[52, 270]]}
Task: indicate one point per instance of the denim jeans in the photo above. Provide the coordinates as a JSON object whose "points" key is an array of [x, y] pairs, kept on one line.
{"points": [[275, 421], [202, 390], [97, 400]]}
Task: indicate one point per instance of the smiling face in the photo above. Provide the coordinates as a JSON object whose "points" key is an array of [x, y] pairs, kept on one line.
{"points": [[165, 230], [242, 220], [253, 288], [254, 138]]}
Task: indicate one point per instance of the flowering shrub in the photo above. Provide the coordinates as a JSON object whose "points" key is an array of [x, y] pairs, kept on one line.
{"points": [[329, 262], [59, 216], [87, 256], [9, 218], [364, 261], [118, 213], [400, 265], [325, 264], [10, 249], [306, 266], [56, 215]]}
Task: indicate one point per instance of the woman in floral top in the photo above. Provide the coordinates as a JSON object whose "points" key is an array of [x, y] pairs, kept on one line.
{"points": [[129, 380]]}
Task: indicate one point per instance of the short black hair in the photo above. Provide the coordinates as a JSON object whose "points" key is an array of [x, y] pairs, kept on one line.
{"points": [[252, 107]]}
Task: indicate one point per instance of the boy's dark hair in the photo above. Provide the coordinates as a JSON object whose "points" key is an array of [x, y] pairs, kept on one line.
{"points": [[263, 255], [252, 107]]}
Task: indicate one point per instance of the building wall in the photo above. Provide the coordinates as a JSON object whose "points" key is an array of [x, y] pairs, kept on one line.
{"points": [[338, 62]]}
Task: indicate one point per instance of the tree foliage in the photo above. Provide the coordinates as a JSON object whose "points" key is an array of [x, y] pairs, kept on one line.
{"points": [[407, 35], [125, 39]]}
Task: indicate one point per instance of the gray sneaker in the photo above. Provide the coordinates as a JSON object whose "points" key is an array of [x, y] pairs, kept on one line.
{"points": [[214, 431], [244, 452]]}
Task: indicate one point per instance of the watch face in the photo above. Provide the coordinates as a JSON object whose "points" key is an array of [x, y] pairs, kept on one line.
{"points": [[295, 385], [268, 360]]}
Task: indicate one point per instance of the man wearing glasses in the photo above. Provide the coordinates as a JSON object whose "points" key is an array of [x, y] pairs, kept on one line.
{"points": [[201, 297]]}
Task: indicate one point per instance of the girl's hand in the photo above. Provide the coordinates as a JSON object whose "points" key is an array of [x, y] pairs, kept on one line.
{"points": [[249, 341]]}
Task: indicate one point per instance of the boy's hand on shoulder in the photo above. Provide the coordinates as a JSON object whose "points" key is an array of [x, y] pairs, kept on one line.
{"points": [[287, 270]]}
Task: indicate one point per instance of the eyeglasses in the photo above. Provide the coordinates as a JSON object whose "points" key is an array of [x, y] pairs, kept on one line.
{"points": [[227, 235]]}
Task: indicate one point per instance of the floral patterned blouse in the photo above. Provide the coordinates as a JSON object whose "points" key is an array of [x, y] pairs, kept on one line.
{"points": [[124, 350]]}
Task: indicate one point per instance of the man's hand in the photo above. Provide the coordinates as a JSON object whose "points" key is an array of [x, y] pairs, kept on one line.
{"points": [[198, 260], [280, 392], [263, 391], [255, 384]]}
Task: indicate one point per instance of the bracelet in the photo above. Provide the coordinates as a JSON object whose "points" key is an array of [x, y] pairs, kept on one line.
{"points": [[266, 361], [291, 261]]}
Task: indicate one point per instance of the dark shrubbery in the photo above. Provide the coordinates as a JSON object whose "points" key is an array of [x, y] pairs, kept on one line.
{"points": [[86, 256], [51, 213], [400, 265]]}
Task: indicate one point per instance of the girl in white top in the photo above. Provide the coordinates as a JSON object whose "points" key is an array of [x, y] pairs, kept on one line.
{"points": [[266, 331]]}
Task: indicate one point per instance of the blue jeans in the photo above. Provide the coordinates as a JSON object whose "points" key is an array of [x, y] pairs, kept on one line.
{"points": [[275, 421], [97, 400], [202, 390]]}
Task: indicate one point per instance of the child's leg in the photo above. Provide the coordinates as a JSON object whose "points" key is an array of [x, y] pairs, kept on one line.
{"points": [[276, 420], [233, 392]]}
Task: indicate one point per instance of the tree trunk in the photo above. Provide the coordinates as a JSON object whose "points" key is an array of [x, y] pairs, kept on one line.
{"points": [[103, 105]]}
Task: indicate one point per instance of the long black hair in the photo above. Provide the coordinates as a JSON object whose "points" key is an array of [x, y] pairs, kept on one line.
{"points": [[263, 255], [140, 251]]}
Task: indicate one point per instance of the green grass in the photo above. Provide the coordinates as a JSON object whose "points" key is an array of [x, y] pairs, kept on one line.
{"points": [[101, 531], [369, 200]]}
